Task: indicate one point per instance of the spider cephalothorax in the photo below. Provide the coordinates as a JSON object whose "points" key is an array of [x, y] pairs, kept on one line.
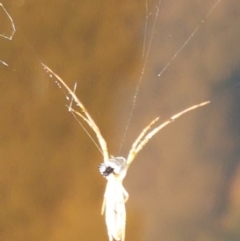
{"points": [[114, 165]]}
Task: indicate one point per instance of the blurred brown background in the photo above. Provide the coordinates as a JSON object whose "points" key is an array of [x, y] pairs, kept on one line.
{"points": [[185, 184]]}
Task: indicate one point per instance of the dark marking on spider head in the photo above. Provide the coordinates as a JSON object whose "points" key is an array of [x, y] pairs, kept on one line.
{"points": [[105, 170], [114, 165]]}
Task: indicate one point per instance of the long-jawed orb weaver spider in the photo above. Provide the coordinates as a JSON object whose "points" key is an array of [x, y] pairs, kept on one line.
{"points": [[114, 169]]}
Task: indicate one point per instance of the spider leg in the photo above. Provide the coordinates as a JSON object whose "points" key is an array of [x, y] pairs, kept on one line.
{"points": [[144, 137], [85, 116], [143, 133]]}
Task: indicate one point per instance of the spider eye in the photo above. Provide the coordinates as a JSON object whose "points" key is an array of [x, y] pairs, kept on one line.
{"points": [[105, 170]]}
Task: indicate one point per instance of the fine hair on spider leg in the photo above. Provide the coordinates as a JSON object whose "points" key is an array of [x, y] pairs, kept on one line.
{"points": [[114, 169]]}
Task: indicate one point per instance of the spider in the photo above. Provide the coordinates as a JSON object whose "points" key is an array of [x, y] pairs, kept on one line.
{"points": [[114, 169]]}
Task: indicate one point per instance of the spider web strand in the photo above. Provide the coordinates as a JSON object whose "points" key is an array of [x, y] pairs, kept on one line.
{"points": [[73, 112], [12, 24], [142, 72], [189, 38]]}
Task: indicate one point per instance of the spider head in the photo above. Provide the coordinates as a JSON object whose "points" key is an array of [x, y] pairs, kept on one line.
{"points": [[114, 165]]}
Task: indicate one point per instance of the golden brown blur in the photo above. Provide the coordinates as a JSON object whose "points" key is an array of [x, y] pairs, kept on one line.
{"points": [[185, 183]]}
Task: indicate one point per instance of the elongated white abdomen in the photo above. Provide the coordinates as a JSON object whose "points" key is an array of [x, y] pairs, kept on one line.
{"points": [[115, 212]]}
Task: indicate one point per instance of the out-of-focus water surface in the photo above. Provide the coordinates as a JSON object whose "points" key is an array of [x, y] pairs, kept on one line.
{"points": [[185, 184]]}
